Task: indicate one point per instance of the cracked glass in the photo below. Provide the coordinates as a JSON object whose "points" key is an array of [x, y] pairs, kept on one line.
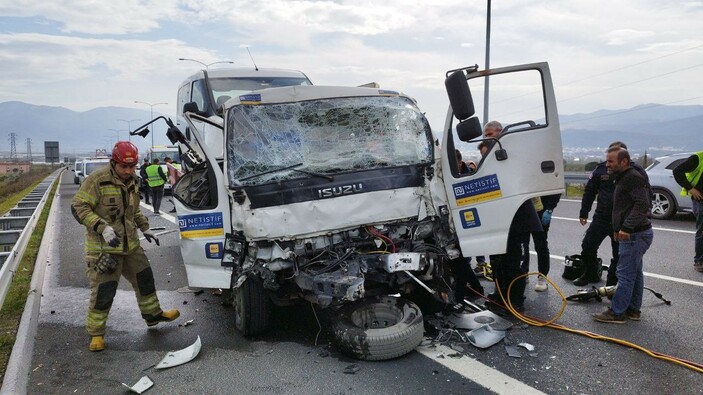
{"points": [[275, 142]]}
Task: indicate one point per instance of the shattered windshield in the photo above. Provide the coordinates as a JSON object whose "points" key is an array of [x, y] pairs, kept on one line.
{"points": [[324, 136]]}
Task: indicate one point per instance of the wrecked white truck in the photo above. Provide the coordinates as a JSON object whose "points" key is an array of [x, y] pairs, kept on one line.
{"points": [[345, 198]]}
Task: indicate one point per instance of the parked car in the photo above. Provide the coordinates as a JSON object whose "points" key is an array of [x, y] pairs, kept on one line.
{"points": [[667, 199]]}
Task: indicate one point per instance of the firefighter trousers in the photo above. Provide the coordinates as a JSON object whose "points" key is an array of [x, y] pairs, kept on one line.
{"points": [[103, 287]]}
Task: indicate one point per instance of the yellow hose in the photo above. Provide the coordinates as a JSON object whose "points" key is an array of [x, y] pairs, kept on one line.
{"points": [[537, 322]]}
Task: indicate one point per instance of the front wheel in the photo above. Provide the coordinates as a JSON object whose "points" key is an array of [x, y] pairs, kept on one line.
{"points": [[378, 328], [252, 307], [663, 204]]}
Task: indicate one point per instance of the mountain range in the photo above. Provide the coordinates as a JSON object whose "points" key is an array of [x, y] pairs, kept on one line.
{"points": [[655, 128]]}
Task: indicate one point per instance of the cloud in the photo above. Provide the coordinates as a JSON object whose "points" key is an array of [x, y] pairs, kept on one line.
{"points": [[626, 36]]}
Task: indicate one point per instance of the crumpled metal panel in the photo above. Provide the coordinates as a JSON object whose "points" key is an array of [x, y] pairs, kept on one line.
{"points": [[322, 216]]}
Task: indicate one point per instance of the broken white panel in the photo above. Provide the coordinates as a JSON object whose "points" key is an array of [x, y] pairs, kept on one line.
{"points": [[142, 385], [485, 337], [476, 320], [175, 358]]}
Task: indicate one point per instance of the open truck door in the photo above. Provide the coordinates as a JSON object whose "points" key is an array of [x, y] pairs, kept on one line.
{"points": [[203, 211], [524, 161]]}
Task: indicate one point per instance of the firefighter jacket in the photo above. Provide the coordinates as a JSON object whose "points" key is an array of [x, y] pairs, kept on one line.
{"points": [[155, 176], [104, 199]]}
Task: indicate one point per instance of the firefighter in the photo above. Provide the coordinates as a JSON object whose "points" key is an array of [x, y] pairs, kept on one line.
{"points": [[107, 204]]}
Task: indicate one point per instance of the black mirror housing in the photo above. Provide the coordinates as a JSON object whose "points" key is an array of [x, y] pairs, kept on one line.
{"points": [[459, 95], [469, 129], [193, 107]]}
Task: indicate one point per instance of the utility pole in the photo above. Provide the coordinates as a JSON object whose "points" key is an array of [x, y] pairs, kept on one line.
{"points": [[29, 150], [488, 61], [13, 147], [129, 127]]}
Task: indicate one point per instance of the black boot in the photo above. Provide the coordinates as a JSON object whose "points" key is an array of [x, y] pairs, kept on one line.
{"points": [[590, 275]]}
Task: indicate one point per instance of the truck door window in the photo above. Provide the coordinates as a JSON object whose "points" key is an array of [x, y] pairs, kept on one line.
{"points": [[199, 94], [516, 101]]}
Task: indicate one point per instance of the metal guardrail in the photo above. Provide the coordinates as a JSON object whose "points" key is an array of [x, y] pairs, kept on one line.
{"points": [[17, 226], [576, 177]]}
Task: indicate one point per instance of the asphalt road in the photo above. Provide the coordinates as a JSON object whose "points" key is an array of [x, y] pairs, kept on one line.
{"points": [[295, 358]]}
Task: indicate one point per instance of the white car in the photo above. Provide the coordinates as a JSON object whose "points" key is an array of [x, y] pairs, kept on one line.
{"points": [[90, 165], [667, 199]]}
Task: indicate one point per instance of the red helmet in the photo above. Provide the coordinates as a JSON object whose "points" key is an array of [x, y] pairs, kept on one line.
{"points": [[125, 153]]}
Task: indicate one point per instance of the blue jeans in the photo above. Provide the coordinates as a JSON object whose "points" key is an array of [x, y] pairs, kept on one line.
{"points": [[628, 294], [698, 212]]}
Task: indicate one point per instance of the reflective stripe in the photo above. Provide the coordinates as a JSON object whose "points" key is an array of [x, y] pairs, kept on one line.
{"points": [[96, 322], [86, 197], [149, 304]]}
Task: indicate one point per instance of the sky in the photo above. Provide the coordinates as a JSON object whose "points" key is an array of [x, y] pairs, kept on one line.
{"points": [[602, 54]]}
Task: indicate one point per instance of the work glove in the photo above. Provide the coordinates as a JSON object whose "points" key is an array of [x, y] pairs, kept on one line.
{"points": [[150, 236], [105, 264], [110, 236], [546, 217]]}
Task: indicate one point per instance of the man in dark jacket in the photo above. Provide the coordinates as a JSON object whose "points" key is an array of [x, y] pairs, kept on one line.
{"points": [[633, 230], [143, 184], [601, 185], [689, 175]]}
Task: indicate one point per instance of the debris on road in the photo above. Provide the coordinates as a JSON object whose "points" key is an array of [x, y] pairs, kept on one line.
{"points": [[189, 322], [175, 358], [142, 385], [527, 346], [352, 369]]}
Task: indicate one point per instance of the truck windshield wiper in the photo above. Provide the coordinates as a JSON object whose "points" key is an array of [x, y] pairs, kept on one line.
{"points": [[291, 167]]}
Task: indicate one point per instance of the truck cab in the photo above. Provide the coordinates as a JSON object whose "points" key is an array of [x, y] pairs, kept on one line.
{"points": [[340, 195]]}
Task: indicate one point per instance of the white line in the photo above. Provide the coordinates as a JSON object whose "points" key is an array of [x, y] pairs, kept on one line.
{"points": [[477, 372], [659, 276], [168, 217], [690, 232]]}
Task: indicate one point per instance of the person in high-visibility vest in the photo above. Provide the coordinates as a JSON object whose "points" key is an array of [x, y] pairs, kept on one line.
{"points": [[156, 179], [689, 174], [107, 204]]}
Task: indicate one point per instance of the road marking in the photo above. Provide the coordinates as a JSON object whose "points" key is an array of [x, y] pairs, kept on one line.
{"points": [[168, 217], [690, 232], [655, 275], [477, 372]]}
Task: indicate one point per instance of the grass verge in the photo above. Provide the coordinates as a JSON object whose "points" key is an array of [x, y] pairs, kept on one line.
{"points": [[12, 309]]}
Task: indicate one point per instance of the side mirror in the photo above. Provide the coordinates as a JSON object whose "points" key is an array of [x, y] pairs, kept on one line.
{"points": [[175, 135], [193, 107], [459, 95], [469, 129], [143, 133]]}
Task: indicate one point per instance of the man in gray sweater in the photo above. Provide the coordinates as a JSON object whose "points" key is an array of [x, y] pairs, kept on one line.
{"points": [[633, 230]]}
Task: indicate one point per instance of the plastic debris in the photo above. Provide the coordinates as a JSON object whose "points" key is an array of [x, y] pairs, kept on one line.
{"points": [[142, 385], [175, 358], [189, 322], [476, 320], [352, 369], [513, 351], [527, 346], [485, 336]]}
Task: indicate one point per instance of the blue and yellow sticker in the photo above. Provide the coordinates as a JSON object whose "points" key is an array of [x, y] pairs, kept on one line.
{"points": [[213, 250], [201, 225], [252, 98], [477, 190], [469, 218]]}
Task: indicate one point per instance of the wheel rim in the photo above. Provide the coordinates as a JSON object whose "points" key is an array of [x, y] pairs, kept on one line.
{"points": [[660, 204], [376, 316]]}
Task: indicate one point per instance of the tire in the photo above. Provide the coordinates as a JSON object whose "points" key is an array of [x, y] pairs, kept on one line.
{"points": [[252, 307], [663, 204], [378, 328]]}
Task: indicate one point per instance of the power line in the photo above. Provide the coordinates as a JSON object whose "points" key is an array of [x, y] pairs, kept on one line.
{"points": [[631, 65], [632, 82]]}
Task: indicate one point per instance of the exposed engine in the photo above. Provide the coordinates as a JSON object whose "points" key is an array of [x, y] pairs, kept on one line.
{"points": [[348, 265]]}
